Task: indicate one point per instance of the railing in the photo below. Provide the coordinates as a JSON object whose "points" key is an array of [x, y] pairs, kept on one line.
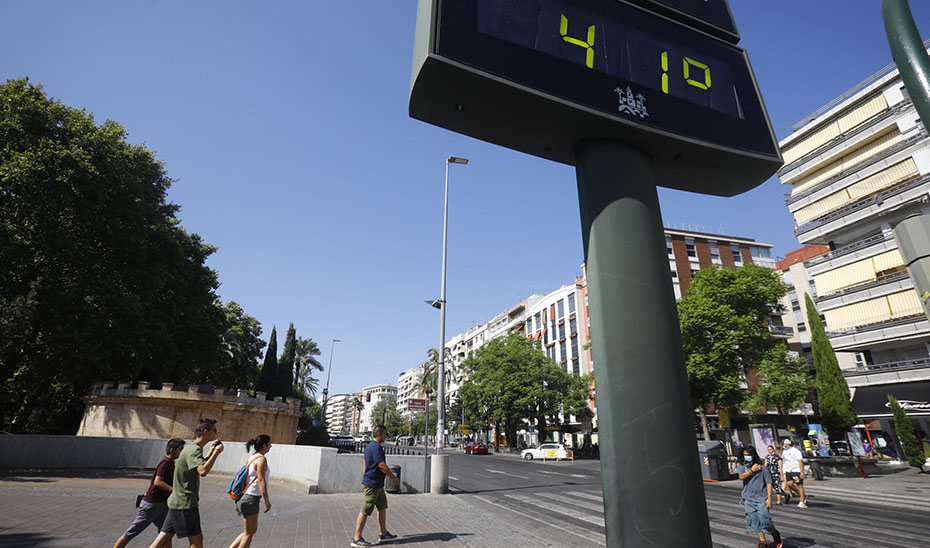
{"points": [[389, 449], [782, 330], [847, 249], [876, 325], [862, 204], [879, 280], [889, 366]]}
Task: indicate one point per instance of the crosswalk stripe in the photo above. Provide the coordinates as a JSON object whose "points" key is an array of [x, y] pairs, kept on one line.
{"points": [[599, 508], [596, 520], [593, 536], [506, 473], [586, 496]]}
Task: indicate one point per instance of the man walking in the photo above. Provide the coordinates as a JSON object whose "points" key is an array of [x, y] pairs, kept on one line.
{"points": [[153, 508], [183, 513], [373, 487], [793, 466]]}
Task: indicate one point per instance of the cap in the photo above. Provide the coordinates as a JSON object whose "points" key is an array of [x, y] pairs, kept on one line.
{"points": [[786, 441]]}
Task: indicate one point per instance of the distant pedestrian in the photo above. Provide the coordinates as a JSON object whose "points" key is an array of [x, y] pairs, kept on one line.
{"points": [[373, 487], [757, 496], [153, 507], [257, 488], [183, 512], [774, 464], [794, 470]]}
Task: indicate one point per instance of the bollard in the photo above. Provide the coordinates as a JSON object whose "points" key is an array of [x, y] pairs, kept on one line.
{"points": [[439, 475]]}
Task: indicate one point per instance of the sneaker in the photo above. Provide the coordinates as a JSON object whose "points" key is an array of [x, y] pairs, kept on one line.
{"points": [[386, 537], [360, 543], [762, 544], [776, 537], [802, 504]]}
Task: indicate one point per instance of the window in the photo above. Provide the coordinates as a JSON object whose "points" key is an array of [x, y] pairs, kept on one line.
{"points": [[546, 337], [562, 331], [737, 258], [562, 353], [576, 369], [668, 245], [571, 303], [760, 252], [801, 327], [536, 319], [714, 252], [572, 326], [689, 245], [561, 307], [529, 326], [674, 274], [575, 348]]}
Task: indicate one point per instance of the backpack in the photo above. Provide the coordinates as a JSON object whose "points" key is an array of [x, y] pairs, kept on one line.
{"points": [[237, 486]]}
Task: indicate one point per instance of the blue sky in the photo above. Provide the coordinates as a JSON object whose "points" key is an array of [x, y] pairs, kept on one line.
{"points": [[285, 125]]}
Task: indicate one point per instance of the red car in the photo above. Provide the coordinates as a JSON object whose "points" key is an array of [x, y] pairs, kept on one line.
{"points": [[472, 448]]}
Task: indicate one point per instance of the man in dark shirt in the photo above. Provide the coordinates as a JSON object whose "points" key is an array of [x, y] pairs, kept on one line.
{"points": [[373, 487], [154, 506]]}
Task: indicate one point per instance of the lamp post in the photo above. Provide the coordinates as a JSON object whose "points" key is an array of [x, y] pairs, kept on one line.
{"points": [[440, 381], [329, 371]]}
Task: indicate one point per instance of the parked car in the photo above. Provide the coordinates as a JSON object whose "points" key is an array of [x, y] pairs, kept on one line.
{"points": [[472, 448], [342, 443], [546, 450]]}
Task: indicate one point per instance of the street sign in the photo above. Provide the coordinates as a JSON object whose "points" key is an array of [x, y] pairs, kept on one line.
{"points": [[723, 418], [464, 429], [539, 76], [416, 404]]}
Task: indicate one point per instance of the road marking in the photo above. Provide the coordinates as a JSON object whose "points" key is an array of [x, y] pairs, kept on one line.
{"points": [[553, 473], [507, 474], [568, 528], [453, 478], [599, 508], [588, 496], [596, 520], [579, 476]]}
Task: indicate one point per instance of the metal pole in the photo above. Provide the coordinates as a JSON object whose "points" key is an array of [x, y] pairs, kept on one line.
{"points": [[329, 371], [909, 54], [653, 496], [441, 389], [426, 448]]}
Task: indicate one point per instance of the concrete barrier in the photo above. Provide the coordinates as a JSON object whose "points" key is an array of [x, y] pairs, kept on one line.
{"points": [[319, 469]]}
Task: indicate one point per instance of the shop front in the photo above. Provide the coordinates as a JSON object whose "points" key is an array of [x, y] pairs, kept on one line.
{"points": [[874, 412]]}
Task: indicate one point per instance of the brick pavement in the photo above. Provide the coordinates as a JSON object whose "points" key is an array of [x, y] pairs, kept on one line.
{"points": [[93, 508]]}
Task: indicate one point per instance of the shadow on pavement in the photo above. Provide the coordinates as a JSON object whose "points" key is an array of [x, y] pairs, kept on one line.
{"points": [[36, 475], [23, 540], [458, 491], [427, 537], [795, 542]]}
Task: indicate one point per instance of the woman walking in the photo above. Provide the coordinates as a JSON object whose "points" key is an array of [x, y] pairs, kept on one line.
{"points": [[757, 496], [774, 464], [257, 489]]}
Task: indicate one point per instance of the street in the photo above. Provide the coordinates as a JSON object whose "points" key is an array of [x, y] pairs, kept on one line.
{"points": [[561, 504]]}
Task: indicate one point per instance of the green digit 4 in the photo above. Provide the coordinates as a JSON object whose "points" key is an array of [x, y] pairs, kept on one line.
{"points": [[588, 45]]}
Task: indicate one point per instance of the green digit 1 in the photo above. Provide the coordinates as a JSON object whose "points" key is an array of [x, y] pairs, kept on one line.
{"points": [[665, 72], [688, 63], [588, 45]]}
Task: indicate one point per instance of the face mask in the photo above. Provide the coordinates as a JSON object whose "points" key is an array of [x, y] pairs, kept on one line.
{"points": [[747, 458]]}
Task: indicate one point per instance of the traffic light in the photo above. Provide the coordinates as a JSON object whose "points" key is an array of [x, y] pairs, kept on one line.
{"points": [[368, 397]]}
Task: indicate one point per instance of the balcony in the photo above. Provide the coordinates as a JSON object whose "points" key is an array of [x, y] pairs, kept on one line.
{"points": [[854, 247], [882, 285], [781, 331], [861, 337], [886, 373]]}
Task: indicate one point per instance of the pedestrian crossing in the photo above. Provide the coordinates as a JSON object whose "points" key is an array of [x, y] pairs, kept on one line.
{"points": [[835, 517]]}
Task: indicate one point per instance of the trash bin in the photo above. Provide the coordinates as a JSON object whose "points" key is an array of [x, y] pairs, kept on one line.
{"points": [[389, 484], [713, 458]]}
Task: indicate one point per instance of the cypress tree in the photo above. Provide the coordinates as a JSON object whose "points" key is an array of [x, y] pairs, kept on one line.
{"points": [[836, 411], [905, 430], [284, 375], [266, 376]]}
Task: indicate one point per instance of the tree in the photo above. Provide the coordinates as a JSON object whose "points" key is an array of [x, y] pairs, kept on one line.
{"points": [[266, 377], [306, 363], [905, 430], [385, 413], [100, 282], [284, 373], [419, 422], [783, 382], [836, 411], [241, 348]]}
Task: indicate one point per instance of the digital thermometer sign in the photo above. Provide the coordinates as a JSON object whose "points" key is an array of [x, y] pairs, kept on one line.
{"points": [[541, 75]]}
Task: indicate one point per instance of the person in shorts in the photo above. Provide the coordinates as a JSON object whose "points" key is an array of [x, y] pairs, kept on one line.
{"points": [[154, 507], [256, 482], [757, 496], [793, 466], [373, 487], [183, 517]]}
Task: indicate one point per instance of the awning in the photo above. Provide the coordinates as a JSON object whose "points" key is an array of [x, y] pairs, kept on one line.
{"points": [[872, 401]]}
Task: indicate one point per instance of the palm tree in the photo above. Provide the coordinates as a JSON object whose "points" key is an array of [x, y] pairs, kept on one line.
{"points": [[305, 363]]}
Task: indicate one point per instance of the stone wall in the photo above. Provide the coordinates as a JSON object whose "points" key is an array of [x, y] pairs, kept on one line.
{"points": [[172, 412]]}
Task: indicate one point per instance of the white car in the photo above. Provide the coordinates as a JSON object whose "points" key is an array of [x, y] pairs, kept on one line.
{"points": [[546, 450]]}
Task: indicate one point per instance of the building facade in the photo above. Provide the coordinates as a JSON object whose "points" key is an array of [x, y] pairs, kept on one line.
{"points": [[374, 394], [855, 168], [690, 251], [338, 414]]}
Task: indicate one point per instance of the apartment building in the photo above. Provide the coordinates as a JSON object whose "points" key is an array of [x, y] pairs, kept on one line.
{"points": [[374, 394], [690, 251], [338, 413], [856, 167], [557, 321], [408, 387]]}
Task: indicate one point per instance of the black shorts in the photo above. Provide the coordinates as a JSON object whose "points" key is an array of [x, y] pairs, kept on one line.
{"points": [[794, 477], [183, 523]]}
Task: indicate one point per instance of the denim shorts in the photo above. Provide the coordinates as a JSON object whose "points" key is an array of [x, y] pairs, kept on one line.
{"points": [[149, 513], [758, 519]]}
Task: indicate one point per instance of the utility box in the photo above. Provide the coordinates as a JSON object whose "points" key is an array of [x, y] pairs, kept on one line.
{"points": [[713, 458], [389, 484]]}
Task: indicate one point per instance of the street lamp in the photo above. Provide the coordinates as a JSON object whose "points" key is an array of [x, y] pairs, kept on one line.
{"points": [[329, 371], [441, 390]]}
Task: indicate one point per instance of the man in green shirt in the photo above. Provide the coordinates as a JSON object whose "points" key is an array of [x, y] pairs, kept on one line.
{"points": [[183, 517]]}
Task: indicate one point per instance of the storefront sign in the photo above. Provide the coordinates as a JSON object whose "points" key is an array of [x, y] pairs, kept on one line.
{"points": [[872, 401]]}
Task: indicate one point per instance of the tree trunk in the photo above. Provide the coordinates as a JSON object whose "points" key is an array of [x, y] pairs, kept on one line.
{"points": [[541, 430], [704, 427]]}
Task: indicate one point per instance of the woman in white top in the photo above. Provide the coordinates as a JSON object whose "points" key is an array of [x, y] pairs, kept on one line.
{"points": [[257, 488]]}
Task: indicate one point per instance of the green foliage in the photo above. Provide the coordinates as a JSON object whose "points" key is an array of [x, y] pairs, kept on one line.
{"points": [[511, 381], [305, 363], [836, 411], [100, 282], [241, 348], [905, 430], [266, 378], [284, 373], [783, 382], [419, 421], [385, 413]]}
